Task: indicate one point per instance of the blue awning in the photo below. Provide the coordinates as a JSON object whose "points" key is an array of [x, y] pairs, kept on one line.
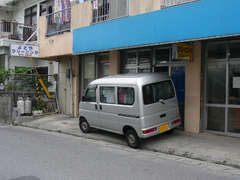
{"points": [[198, 20]]}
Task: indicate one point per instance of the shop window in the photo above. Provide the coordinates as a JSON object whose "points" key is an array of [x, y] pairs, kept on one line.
{"points": [[125, 96], [234, 120], [90, 95], [103, 69], [234, 50], [103, 64], [89, 69], [217, 51], [234, 84], [216, 83], [216, 119], [107, 95], [162, 56], [145, 56], [125, 70], [131, 58], [162, 69], [152, 93], [128, 62], [144, 70]]}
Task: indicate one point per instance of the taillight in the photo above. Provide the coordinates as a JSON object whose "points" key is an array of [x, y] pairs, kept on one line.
{"points": [[149, 130], [176, 121]]}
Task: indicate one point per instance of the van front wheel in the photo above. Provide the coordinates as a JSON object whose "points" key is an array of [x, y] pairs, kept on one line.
{"points": [[84, 126], [132, 138]]}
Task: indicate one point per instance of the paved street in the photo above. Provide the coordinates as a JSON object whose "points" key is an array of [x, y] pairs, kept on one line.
{"points": [[27, 154]]}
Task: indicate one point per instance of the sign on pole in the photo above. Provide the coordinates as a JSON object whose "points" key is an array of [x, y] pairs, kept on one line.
{"points": [[182, 51], [24, 50]]}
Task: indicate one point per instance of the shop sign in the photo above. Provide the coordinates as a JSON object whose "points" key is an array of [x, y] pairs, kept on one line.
{"points": [[236, 82], [24, 50], [183, 51]]}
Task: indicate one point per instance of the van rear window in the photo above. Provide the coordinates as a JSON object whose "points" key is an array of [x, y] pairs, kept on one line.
{"points": [[152, 93]]}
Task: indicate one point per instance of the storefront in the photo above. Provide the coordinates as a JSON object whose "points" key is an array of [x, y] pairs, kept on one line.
{"points": [[156, 59], [222, 87]]}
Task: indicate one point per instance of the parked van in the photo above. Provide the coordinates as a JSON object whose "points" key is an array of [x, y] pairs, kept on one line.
{"points": [[135, 105]]}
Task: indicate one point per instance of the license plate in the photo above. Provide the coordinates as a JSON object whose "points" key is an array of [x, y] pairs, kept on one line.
{"points": [[163, 127]]}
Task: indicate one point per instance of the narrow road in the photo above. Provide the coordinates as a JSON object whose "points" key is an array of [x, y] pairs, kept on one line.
{"points": [[27, 154]]}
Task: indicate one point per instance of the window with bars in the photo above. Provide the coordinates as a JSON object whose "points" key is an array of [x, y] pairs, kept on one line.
{"points": [[104, 10]]}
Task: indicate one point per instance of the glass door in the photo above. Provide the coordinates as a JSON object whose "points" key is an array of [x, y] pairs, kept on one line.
{"points": [[216, 96], [233, 122], [89, 70], [103, 65], [222, 88]]}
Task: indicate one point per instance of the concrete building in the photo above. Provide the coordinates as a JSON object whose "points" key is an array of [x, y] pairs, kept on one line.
{"points": [[195, 41], [18, 22]]}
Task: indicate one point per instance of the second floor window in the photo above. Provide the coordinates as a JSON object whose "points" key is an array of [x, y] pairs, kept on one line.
{"points": [[30, 17], [100, 10]]}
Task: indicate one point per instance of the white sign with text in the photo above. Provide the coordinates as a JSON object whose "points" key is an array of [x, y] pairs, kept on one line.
{"points": [[24, 50], [236, 82]]}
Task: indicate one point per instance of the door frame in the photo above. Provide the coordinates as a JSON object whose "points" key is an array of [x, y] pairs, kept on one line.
{"points": [[226, 62]]}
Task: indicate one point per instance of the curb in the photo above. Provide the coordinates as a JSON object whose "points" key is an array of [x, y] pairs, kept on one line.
{"points": [[168, 151]]}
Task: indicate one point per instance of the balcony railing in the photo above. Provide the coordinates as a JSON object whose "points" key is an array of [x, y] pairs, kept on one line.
{"points": [[104, 10], [16, 31], [169, 3], [59, 22]]}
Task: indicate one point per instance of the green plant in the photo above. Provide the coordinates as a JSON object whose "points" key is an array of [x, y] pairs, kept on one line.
{"points": [[36, 104], [3, 74]]}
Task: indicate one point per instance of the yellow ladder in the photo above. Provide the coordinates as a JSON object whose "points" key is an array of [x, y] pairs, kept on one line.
{"points": [[40, 80]]}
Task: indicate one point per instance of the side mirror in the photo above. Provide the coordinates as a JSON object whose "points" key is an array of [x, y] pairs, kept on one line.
{"points": [[83, 98]]}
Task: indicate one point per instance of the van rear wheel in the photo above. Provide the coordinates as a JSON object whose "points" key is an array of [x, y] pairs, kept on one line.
{"points": [[132, 138], [84, 126]]}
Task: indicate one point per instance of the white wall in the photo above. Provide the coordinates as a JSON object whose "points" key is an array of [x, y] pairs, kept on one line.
{"points": [[5, 15], [12, 62]]}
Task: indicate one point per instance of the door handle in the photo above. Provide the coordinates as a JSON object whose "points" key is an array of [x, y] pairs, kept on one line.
{"points": [[163, 115], [100, 107], [95, 106]]}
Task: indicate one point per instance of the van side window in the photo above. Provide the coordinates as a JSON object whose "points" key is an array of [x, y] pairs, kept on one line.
{"points": [[90, 95], [152, 93], [125, 95], [107, 95]]}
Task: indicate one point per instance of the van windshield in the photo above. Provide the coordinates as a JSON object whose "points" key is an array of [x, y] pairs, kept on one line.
{"points": [[152, 93]]}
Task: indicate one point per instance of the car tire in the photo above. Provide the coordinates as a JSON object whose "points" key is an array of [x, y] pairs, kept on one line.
{"points": [[84, 126], [132, 139]]}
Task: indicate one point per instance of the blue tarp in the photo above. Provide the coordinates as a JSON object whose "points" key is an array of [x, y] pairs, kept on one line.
{"points": [[197, 20]]}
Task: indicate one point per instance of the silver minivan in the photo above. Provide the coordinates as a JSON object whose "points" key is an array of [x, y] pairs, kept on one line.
{"points": [[135, 105]]}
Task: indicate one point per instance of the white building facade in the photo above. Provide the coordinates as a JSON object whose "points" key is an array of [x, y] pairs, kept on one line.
{"points": [[18, 26]]}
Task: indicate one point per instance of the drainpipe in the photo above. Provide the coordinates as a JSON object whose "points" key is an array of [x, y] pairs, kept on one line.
{"points": [[71, 85]]}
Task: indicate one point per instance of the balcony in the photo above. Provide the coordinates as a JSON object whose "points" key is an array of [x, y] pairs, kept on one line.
{"points": [[170, 3], [59, 22], [16, 31]]}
